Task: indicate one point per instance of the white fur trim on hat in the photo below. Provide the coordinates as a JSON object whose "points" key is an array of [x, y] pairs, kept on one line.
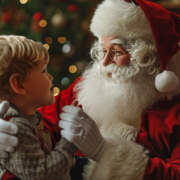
{"points": [[120, 19], [166, 82]]}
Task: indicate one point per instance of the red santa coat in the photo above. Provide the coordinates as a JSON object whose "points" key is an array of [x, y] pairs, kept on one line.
{"points": [[124, 159]]}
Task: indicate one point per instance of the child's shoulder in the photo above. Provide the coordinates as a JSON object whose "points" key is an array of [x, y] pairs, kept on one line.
{"points": [[14, 117]]}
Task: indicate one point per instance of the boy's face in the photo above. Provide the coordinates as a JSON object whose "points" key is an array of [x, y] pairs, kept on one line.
{"points": [[39, 87]]}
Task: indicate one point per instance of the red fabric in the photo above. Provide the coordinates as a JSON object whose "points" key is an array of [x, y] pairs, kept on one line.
{"points": [[9, 176], [163, 23], [160, 133]]}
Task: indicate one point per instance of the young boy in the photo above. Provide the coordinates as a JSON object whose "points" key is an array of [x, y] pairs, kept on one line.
{"points": [[26, 84]]}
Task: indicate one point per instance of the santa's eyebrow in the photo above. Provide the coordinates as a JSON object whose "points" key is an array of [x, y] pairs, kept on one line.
{"points": [[118, 41]]}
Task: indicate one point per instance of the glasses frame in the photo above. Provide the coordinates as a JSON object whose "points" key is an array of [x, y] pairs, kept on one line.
{"points": [[110, 55]]}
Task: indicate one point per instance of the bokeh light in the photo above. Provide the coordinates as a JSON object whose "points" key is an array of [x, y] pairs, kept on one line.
{"points": [[48, 40], [61, 40], [72, 69], [56, 91], [23, 1], [66, 48], [65, 81], [43, 23], [46, 46]]}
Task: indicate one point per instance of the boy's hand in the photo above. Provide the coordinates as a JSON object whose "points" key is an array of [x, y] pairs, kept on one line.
{"points": [[7, 130], [81, 130]]}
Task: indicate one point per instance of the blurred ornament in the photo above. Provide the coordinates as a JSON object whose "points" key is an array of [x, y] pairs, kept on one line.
{"points": [[37, 16], [68, 49], [58, 19], [65, 81], [6, 17], [72, 8]]}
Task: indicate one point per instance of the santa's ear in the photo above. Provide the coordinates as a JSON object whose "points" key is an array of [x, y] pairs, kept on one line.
{"points": [[17, 84]]}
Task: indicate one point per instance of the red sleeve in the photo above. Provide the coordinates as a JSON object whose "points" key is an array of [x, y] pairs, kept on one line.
{"points": [[9, 176], [159, 169], [160, 134], [51, 113]]}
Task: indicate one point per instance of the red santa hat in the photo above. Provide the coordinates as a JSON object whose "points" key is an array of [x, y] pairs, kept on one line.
{"points": [[149, 21]]}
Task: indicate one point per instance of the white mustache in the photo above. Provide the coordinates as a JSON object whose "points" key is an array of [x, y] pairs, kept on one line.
{"points": [[118, 72]]}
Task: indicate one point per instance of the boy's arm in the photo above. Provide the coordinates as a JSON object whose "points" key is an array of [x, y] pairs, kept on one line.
{"points": [[8, 140], [30, 162]]}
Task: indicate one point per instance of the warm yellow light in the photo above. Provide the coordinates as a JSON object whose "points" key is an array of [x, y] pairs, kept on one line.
{"points": [[42, 23], [61, 40], [23, 1], [46, 46], [56, 91], [72, 69], [48, 40]]}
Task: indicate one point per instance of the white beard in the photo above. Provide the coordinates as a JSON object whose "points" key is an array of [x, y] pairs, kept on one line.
{"points": [[116, 104]]}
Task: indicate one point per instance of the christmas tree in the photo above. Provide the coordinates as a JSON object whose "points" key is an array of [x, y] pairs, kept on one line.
{"points": [[61, 25]]}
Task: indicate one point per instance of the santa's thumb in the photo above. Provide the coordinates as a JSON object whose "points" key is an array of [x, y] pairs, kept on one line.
{"points": [[4, 106]]}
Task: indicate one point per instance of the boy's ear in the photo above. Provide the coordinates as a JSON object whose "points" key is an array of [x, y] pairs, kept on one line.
{"points": [[16, 83]]}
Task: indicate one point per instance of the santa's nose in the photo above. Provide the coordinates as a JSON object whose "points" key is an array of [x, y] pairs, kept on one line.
{"points": [[107, 60]]}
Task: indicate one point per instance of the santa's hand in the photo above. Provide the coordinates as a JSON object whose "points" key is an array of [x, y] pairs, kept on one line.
{"points": [[7, 129], [81, 130]]}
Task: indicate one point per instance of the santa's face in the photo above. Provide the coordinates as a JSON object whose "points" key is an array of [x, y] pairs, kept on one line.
{"points": [[113, 52], [117, 92]]}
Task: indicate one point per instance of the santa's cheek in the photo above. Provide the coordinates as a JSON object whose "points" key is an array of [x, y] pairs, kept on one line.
{"points": [[123, 61]]}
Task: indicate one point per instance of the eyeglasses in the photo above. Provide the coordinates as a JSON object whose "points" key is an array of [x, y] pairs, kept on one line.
{"points": [[113, 54]]}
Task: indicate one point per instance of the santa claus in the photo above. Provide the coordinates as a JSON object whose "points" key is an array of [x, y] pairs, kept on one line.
{"points": [[130, 90]]}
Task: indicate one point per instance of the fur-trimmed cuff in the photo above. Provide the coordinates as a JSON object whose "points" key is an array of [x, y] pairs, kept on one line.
{"points": [[122, 159]]}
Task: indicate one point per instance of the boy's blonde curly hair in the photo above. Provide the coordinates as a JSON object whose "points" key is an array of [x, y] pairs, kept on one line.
{"points": [[18, 55]]}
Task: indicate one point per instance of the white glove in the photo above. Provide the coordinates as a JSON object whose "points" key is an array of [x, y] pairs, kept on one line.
{"points": [[81, 130], [7, 129]]}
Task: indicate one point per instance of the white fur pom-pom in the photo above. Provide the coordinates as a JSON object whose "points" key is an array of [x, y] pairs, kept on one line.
{"points": [[167, 81]]}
